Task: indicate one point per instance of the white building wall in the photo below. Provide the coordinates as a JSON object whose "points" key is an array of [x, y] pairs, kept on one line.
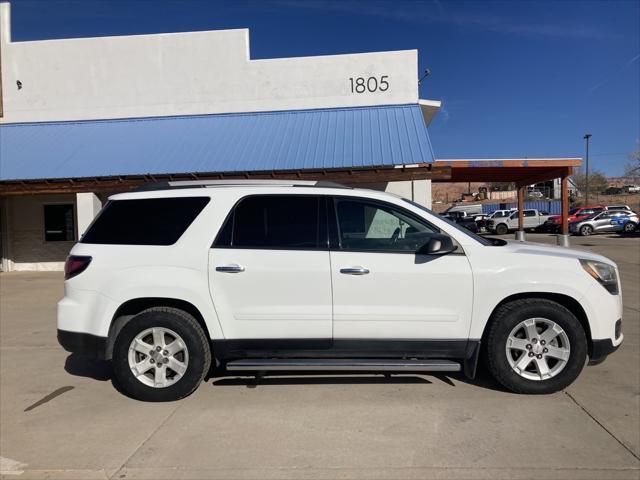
{"points": [[26, 248], [185, 74], [173, 74], [417, 190], [88, 205]]}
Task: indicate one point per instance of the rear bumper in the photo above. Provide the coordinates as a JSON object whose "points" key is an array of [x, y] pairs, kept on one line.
{"points": [[83, 344]]}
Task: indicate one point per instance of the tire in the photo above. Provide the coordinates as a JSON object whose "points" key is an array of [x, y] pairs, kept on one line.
{"points": [[586, 230], [192, 360], [502, 229], [629, 227], [508, 318]]}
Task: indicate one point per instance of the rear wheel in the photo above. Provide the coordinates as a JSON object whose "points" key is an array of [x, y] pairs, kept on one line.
{"points": [[586, 230], [501, 229], [535, 346], [161, 354]]}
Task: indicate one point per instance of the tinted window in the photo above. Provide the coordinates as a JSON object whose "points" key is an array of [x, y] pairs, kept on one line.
{"points": [[149, 221], [59, 225], [529, 213], [274, 221], [375, 227]]}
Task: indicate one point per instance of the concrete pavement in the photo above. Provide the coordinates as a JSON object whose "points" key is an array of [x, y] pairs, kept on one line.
{"points": [[60, 416]]}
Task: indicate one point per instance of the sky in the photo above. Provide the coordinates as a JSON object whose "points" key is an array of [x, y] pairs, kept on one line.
{"points": [[517, 78]]}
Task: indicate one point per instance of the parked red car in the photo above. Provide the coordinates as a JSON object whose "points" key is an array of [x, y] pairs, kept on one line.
{"points": [[553, 224]]}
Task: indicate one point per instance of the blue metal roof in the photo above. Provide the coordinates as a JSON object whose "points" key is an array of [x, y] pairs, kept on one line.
{"points": [[291, 140]]}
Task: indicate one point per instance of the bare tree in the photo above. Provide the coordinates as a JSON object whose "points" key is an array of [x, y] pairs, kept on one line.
{"points": [[598, 183], [632, 168]]}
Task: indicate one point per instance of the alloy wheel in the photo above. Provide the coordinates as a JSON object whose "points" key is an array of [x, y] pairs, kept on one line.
{"points": [[158, 357], [538, 349]]}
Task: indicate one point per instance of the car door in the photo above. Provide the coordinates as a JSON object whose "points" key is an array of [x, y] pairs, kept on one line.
{"points": [[602, 222], [530, 219], [269, 269], [615, 220], [382, 289]]}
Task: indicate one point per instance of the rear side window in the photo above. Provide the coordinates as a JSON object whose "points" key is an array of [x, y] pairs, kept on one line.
{"points": [[149, 221], [274, 222]]}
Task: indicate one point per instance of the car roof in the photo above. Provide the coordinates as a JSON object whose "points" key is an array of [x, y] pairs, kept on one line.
{"points": [[236, 183]]}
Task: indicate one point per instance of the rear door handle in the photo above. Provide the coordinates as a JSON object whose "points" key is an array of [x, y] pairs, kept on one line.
{"points": [[231, 268], [354, 270]]}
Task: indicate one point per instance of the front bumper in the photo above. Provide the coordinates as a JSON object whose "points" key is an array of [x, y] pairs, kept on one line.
{"points": [[600, 349], [83, 344]]}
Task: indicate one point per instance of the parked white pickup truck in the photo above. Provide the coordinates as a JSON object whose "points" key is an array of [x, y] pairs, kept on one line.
{"points": [[533, 219]]}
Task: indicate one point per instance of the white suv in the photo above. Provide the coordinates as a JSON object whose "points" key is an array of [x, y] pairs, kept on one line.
{"points": [[305, 276]]}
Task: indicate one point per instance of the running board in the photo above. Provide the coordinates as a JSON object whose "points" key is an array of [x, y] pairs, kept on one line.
{"points": [[347, 364]]}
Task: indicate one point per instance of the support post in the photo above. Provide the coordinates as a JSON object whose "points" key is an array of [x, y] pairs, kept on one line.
{"points": [[563, 238], [520, 231], [88, 205]]}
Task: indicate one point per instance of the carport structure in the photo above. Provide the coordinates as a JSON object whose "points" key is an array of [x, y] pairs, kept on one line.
{"points": [[521, 171]]}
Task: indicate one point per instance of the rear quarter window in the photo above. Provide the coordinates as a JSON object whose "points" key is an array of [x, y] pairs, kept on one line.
{"points": [[148, 221]]}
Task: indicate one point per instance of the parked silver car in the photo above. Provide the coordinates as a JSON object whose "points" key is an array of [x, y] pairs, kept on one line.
{"points": [[602, 222]]}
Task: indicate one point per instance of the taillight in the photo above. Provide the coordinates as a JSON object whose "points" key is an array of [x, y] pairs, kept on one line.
{"points": [[75, 265]]}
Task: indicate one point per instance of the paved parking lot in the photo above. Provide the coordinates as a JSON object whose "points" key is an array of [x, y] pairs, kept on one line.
{"points": [[60, 416]]}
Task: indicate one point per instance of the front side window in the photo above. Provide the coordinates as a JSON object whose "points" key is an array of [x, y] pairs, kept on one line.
{"points": [[274, 222], [366, 226], [59, 224]]}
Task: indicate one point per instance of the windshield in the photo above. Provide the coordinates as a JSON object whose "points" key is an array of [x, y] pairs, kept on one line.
{"points": [[484, 241], [573, 211]]}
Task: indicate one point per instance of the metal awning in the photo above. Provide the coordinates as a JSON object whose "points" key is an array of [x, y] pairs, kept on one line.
{"points": [[521, 171], [345, 138]]}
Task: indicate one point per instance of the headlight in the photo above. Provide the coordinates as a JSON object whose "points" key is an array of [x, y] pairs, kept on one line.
{"points": [[604, 273]]}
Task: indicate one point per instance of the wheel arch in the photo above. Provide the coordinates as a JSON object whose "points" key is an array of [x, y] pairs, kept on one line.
{"points": [[132, 307], [566, 301]]}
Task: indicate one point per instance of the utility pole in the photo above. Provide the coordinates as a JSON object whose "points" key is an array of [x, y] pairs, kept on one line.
{"points": [[586, 177]]}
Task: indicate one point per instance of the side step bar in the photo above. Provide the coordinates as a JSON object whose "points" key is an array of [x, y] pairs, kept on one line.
{"points": [[347, 364]]}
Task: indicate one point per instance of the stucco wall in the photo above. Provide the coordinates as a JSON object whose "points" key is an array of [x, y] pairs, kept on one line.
{"points": [[183, 74], [27, 248], [417, 190]]}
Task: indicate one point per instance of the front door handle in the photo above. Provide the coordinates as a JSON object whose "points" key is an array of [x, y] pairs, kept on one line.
{"points": [[231, 268], [354, 271]]}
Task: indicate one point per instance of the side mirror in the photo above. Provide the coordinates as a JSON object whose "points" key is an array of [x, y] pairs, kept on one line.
{"points": [[438, 244]]}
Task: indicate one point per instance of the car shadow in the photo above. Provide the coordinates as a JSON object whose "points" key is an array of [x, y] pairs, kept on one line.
{"points": [[80, 366], [101, 370], [625, 235]]}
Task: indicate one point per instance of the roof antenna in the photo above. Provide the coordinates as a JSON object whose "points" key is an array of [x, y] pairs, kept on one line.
{"points": [[427, 72]]}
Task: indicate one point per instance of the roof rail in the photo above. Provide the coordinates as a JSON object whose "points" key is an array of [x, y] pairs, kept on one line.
{"points": [[236, 183]]}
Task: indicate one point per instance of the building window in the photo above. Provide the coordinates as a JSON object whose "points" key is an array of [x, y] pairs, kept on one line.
{"points": [[59, 225]]}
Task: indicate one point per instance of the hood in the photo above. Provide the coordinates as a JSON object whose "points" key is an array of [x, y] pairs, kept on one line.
{"points": [[530, 248]]}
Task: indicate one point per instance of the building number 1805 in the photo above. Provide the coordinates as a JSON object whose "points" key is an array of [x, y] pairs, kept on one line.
{"points": [[370, 84]]}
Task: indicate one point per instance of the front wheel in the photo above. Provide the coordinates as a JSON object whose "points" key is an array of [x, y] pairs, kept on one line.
{"points": [[162, 354], [586, 230], [629, 227], [535, 346], [502, 229]]}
